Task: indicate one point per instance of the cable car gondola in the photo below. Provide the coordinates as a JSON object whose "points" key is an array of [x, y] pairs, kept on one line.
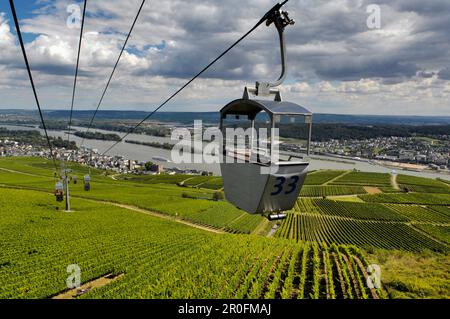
{"points": [[257, 180], [59, 191], [87, 182]]}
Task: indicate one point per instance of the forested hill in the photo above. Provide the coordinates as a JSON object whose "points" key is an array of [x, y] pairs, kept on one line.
{"points": [[213, 117], [324, 131]]}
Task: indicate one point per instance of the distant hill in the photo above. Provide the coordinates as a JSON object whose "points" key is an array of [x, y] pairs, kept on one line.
{"points": [[213, 117]]}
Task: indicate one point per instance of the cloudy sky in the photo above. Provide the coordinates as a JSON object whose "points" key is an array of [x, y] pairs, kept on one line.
{"points": [[337, 64]]}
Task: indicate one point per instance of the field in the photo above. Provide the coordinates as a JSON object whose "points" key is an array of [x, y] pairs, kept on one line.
{"points": [[441, 233], [321, 177], [441, 209], [410, 198], [212, 183], [162, 195], [386, 226], [154, 179], [332, 190], [153, 255], [326, 229], [420, 214], [206, 182], [152, 233], [358, 210], [422, 185], [362, 178], [413, 275]]}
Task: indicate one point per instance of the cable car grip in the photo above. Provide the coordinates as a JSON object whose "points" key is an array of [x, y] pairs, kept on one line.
{"points": [[280, 19]]}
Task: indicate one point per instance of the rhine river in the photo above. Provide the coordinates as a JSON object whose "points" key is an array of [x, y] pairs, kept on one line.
{"points": [[156, 155]]}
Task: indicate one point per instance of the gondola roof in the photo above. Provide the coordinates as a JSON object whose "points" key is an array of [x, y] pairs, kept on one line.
{"points": [[253, 107]]}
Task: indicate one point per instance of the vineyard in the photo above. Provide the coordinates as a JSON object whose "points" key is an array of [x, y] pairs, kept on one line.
{"points": [[410, 198], [362, 224], [320, 191], [153, 256], [441, 209], [214, 183], [154, 179], [191, 204], [442, 233], [420, 214], [363, 178], [312, 254], [358, 210], [197, 181], [321, 177], [384, 235], [422, 185]]}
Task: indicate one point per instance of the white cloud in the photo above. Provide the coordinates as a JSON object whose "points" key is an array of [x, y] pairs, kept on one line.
{"points": [[335, 63]]}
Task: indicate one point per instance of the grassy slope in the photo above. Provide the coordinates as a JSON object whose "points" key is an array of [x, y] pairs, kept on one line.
{"points": [[168, 198], [161, 197], [39, 241], [158, 258], [413, 275]]}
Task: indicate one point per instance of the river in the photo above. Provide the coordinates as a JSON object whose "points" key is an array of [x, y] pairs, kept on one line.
{"points": [[146, 153]]}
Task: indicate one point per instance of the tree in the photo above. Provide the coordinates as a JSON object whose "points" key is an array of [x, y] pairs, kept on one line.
{"points": [[218, 196], [148, 166]]}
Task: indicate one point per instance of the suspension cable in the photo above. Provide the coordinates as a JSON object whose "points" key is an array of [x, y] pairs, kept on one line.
{"points": [[112, 73], [263, 19], [19, 34], [76, 73]]}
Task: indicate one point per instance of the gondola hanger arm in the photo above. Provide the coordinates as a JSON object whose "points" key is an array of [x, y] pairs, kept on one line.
{"points": [[280, 19]]}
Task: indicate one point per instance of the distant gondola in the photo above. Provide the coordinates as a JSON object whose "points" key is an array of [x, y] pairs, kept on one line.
{"points": [[87, 182], [59, 191]]}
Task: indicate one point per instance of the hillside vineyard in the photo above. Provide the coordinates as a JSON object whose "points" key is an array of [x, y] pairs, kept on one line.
{"points": [[184, 241]]}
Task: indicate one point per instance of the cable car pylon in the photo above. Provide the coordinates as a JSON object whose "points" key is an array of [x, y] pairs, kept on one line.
{"points": [[65, 179]]}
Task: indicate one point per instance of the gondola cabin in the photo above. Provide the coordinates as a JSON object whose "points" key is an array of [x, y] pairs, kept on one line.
{"points": [[59, 191], [257, 178], [87, 182]]}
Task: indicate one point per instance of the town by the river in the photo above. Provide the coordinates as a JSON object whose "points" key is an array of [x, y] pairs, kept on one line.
{"points": [[143, 153]]}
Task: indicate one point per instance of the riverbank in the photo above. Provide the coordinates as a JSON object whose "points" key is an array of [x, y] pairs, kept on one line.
{"points": [[147, 153]]}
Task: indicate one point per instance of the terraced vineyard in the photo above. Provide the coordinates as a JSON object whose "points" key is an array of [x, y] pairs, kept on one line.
{"points": [[332, 190], [359, 210], [420, 214], [422, 185], [363, 178], [154, 179], [442, 233], [389, 189], [152, 255], [321, 177], [163, 196], [223, 217], [214, 183], [441, 209], [313, 254], [327, 229], [410, 198], [197, 181], [362, 224]]}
